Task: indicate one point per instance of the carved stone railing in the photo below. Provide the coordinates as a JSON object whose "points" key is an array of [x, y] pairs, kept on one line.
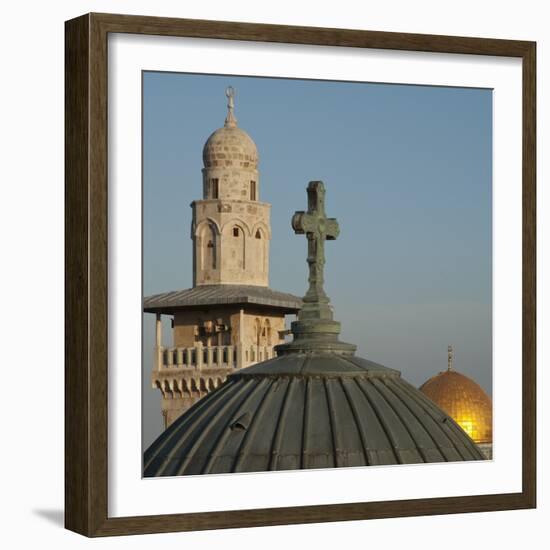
{"points": [[255, 354], [197, 357], [200, 357]]}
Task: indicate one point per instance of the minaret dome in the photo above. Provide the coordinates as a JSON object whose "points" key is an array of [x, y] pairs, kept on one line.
{"points": [[230, 159], [231, 227]]}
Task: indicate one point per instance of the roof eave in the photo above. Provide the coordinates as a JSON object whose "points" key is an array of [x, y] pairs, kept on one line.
{"points": [[170, 309]]}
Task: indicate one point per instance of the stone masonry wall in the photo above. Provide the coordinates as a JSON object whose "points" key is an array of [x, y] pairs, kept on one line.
{"points": [[231, 242]]}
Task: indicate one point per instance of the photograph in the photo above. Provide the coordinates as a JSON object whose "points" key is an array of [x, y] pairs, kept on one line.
{"points": [[317, 276]]}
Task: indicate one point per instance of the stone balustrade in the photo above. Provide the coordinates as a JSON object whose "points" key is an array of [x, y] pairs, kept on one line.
{"points": [[200, 357]]}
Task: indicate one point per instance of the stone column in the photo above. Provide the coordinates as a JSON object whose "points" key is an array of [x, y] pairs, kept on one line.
{"points": [[240, 356], [199, 354], [158, 342], [240, 343]]}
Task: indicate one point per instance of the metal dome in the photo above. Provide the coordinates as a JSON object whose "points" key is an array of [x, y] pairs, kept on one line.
{"points": [[308, 411], [316, 405], [465, 401]]}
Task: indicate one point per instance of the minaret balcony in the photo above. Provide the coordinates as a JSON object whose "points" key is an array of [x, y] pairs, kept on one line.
{"points": [[211, 357]]}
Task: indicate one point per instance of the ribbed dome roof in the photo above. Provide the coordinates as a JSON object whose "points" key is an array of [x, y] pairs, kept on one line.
{"points": [[465, 401], [314, 410]]}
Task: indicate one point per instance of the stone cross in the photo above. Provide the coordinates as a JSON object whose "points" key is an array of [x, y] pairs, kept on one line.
{"points": [[315, 330], [317, 228]]}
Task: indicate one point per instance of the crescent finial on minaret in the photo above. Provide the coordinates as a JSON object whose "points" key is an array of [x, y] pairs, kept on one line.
{"points": [[230, 119]]}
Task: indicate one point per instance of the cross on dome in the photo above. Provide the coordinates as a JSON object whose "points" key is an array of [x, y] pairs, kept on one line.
{"points": [[316, 330], [317, 228]]}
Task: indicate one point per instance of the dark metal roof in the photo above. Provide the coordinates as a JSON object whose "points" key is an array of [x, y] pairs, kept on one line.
{"points": [[215, 295], [308, 411]]}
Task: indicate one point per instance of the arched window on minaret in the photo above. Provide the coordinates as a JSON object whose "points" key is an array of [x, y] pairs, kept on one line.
{"points": [[252, 190], [235, 247], [209, 242]]}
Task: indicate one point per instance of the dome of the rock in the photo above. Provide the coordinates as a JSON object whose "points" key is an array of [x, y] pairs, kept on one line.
{"points": [[465, 401]]}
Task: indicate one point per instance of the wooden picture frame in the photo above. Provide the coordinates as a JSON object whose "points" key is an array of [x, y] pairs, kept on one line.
{"points": [[86, 283]]}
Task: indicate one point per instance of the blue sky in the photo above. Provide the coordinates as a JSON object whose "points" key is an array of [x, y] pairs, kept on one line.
{"points": [[408, 173]]}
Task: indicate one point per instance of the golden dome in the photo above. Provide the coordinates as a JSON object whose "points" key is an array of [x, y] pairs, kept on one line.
{"points": [[464, 401]]}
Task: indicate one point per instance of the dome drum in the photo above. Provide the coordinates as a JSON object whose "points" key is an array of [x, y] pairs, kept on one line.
{"points": [[230, 184]]}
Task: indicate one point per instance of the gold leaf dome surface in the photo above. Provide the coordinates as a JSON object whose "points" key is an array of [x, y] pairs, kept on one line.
{"points": [[464, 401]]}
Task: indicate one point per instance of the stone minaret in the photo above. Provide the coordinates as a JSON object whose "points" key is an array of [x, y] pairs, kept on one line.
{"points": [[230, 319], [230, 227]]}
